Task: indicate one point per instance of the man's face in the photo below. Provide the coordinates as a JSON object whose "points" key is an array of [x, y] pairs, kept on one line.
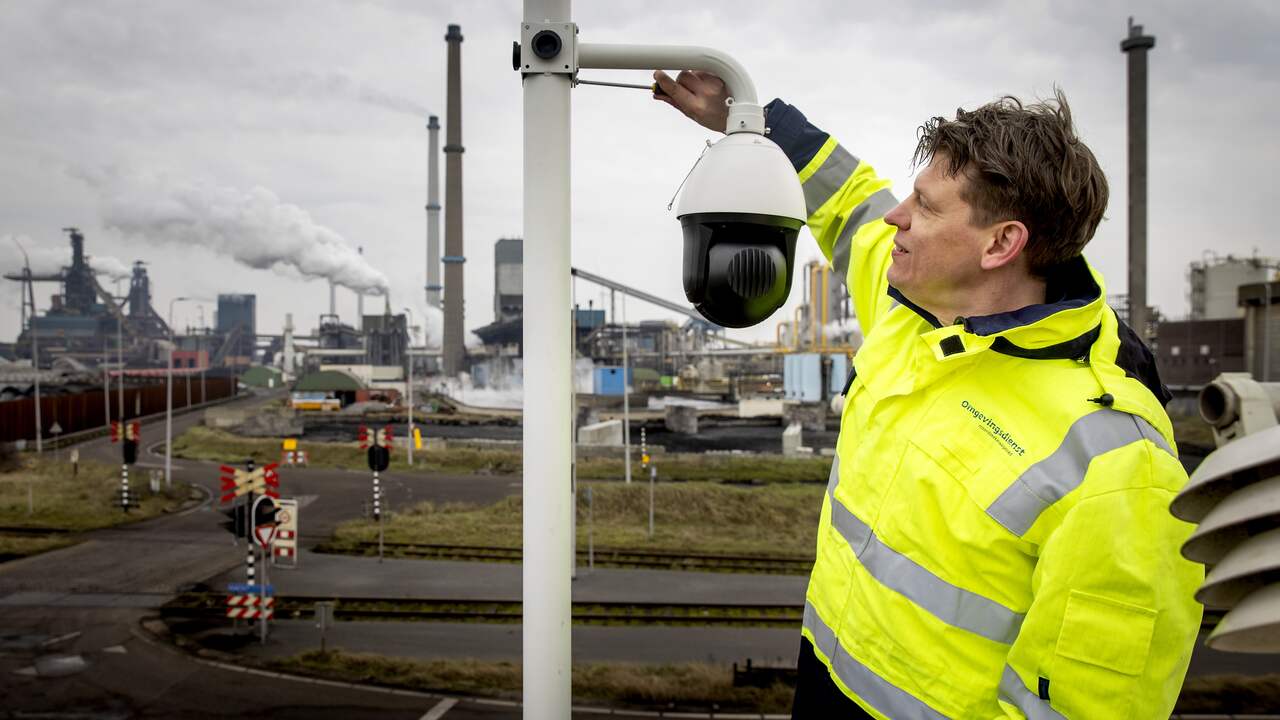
{"points": [[937, 251]]}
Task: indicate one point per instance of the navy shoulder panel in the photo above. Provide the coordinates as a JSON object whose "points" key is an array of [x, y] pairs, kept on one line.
{"points": [[1138, 363], [792, 132]]}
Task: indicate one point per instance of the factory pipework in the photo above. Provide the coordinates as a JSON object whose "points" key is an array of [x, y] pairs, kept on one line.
{"points": [[454, 259], [433, 212]]}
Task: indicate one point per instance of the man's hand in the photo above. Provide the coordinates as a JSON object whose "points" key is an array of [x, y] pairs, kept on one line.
{"points": [[699, 95]]}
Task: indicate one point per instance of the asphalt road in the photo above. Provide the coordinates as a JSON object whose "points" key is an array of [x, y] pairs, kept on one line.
{"points": [[70, 639]]}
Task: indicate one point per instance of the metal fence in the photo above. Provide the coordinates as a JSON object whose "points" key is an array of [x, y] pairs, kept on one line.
{"points": [[86, 410]]}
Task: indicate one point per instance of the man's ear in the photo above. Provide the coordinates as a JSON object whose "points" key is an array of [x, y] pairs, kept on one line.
{"points": [[1005, 243]]}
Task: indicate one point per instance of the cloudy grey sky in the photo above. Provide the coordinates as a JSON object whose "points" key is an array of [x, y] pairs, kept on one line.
{"points": [[182, 133]]}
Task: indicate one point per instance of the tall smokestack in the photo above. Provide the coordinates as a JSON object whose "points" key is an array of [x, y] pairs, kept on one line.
{"points": [[433, 212], [333, 298], [360, 300], [454, 257], [1136, 47]]}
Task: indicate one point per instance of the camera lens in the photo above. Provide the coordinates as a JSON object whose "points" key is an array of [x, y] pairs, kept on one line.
{"points": [[546, 44]]}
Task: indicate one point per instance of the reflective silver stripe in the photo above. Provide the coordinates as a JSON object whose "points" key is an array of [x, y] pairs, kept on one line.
{"points": [[952, 605], [829, 178], [873, 208], [1016, 694], [887, 698], [1049, 480]]}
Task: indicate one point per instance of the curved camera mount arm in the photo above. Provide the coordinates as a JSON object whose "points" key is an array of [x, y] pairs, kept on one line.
{"points": [[745, 113]]}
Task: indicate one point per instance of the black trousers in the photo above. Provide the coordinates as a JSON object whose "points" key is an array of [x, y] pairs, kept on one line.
{"points": [[817, 697]]}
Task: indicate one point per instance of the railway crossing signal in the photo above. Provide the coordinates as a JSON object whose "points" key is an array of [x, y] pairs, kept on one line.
{"points": [[378, 445], [382, 437], [130, 433], [260, 481], [264, 520]]}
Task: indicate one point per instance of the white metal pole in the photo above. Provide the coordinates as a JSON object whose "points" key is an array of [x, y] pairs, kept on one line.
{"points": [[626, 395], [120, 366], [546, 630], [408, 353], [35, 365], [106, 387], [573, 428], [168, 405]]}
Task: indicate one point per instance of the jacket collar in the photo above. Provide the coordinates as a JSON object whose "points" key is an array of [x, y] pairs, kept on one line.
{"points": [[1064, 327]]}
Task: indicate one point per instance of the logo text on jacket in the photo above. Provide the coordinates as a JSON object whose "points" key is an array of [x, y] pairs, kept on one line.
{"points": [[1010, 445]]}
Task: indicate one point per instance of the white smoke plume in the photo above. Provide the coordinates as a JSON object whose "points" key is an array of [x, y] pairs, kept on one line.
{"points": [[336, 85], [49, 258], [113, 269], [252, 226]]}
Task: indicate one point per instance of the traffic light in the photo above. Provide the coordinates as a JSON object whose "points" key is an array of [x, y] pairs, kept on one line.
{"points": [[379, 458], [363, 436], [115, 431], [237, 520]]}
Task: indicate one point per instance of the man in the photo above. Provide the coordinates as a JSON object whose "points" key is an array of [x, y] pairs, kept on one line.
{"points": [[995, 538]]}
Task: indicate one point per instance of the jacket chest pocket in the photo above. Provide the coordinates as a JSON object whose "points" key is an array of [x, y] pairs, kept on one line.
{"points": [[971, 455]]}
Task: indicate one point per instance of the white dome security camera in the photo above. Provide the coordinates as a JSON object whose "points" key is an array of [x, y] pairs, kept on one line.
{"points": [[741, 210]]}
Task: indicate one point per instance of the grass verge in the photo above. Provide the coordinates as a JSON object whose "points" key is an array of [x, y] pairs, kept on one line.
{"points": [[201, 443], [780, 519], [65, 503], [682, 685]]}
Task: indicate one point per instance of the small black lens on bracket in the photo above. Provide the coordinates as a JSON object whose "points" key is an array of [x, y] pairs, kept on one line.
{"points": [[546, 44]]}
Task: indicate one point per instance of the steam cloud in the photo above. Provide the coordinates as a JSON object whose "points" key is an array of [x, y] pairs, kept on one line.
{"points": [[49, 259], [339, 85], [252, 226]]}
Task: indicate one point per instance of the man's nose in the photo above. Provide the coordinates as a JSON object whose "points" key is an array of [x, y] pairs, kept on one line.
{"points": [[899, 217]]}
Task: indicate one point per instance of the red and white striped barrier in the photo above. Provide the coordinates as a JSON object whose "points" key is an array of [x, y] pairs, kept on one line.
{"points": [[250, 607], [250, 601], [293, 457], [248, 613], [286, 543]]}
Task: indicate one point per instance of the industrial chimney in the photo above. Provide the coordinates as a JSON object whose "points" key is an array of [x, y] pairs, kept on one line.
{"points": [[360, 301], [1136, 46], [433, 212], [454, 258]]}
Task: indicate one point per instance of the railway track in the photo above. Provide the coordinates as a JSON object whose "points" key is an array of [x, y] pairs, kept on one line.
{"points": [[210, 605], [606, 557]]}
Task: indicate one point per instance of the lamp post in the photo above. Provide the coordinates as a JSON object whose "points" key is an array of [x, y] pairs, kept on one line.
{"points": [[168, 402], [35, 351], [408, 353], [204, 362], [626, 395], [120, 366], [549, 59]]}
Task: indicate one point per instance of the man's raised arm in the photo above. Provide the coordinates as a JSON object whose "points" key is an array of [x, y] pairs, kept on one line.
{"points": [[844, 198]]}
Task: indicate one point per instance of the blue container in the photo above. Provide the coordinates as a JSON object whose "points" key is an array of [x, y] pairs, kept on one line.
{"points": [[607, 380], [802, 376]]}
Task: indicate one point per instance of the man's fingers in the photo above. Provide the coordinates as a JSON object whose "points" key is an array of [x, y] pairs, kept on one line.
{"points": [[709, 79], [681, 98]]}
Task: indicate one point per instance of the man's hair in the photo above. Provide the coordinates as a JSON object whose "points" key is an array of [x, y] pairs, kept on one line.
{"points": [[1023, 162]]}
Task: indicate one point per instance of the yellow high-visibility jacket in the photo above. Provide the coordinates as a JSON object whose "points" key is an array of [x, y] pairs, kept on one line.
{"points": [[995, 539]]}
